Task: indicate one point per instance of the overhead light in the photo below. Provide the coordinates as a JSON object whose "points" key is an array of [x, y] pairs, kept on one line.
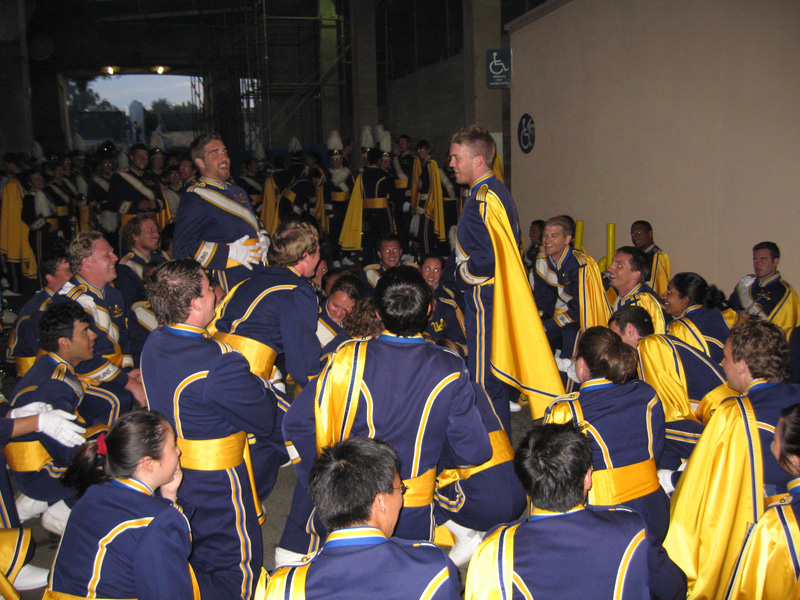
{"points": [[160, 69], [110, 70]]}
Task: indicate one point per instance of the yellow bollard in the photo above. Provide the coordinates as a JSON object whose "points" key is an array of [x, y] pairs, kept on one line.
{"points": [[579, 235], [610, 242]]}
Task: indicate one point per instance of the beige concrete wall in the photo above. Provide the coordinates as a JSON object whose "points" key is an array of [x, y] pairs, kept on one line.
{"points": [[682, 112]]}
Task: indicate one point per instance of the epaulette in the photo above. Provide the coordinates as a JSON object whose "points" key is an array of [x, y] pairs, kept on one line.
{"points": [[60, 372], [44, 305], [372, 267], [223, 346], [77, 291]]}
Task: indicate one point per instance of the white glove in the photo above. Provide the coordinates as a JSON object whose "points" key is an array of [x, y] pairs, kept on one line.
{"points": [[58, 425], [421, 210], [297, 210], [665, 479], [34, 408], [406, 207], [238, 252], [263, 243]]}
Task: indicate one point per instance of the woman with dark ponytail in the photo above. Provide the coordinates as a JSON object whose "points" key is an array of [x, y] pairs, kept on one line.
{"points": [[767, 566], [697, 310], [126, 537], [624, 418]]}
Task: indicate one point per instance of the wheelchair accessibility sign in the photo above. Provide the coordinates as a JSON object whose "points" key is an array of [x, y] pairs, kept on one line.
{"points": [[498, 68]]}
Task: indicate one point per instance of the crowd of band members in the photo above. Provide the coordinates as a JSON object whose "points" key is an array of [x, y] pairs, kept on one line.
{"points": [[407, 206]]}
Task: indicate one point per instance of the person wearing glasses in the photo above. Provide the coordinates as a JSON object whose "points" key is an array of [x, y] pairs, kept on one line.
{"points": [[358, 494], [389, 254], [447, 320]]}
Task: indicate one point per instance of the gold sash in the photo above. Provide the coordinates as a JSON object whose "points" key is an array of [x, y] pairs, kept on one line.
{"points": [[622, 484], [401, 184], [420, 489], [26, 456], [340, 196], [260, 356], [220, 454], [51, 595], [24, 363], [376, 203], [502, 451]]}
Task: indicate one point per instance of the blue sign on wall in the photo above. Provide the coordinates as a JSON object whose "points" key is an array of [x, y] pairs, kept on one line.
{"points": [[498, 68]]}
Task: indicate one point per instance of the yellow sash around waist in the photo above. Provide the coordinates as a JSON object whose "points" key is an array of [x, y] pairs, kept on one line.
{"points": [[52, 221], [124, 218], [26, 456], [420, 489], [24, 363], [260, 356], [220, 454], [62, 211], [376, 203], [502, 451], [401, 184], [622, 484], [51, 595], [340, 196]]}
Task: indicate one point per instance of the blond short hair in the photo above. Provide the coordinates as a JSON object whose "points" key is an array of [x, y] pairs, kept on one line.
{"points": [[290, 242], [81, 248]]}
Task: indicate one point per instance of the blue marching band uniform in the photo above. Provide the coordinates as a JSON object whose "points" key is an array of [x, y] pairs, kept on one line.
{"points": [[474, 279], [23, 343], [703, 328], [107, 372], [36, 460], [361, 562], [643, 295], [269, 316], [447, 320], [16, 546], [206, 391], [420, 409], [626, 425], [211, 215], [123, 541], [481, 497], [130, 283], [584, 553]]}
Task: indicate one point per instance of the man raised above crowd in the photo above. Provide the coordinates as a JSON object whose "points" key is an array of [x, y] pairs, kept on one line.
{"points": [[642, 238], [489, 271], [216, 224], [764, 295], [357, 491]]}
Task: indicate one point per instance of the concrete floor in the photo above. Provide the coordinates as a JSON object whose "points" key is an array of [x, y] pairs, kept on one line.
{"points": [[277, 504]]}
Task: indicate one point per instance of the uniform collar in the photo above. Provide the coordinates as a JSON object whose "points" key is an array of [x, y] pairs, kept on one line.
{"points": [[689, 310], [60, 361], [757, 384], [635, 289], [772, 278], [561, 259], [133, 484], [481, 180], [213, 183], [386, 336], [81, 281], [597, 383], [539, 513], [355, 536], [184, 330], [794, 486]]}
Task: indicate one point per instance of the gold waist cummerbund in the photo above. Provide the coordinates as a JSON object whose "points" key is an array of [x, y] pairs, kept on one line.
{"points": [[621, 484], [502, 451], [376, 203], [420, 489], [26, 456], [62, 211], [401, 184], [340, 196], [213, 455], [260, 356]]}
